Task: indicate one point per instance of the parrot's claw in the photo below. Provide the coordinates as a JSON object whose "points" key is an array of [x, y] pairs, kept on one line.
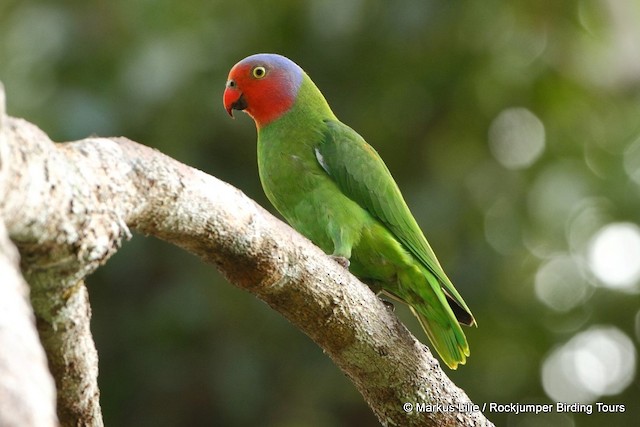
{"points": [[341, 260], [389, 305]]}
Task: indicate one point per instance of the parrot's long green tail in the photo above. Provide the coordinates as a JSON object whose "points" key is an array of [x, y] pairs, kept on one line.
{"points": [[439, 323], [447, 339]]}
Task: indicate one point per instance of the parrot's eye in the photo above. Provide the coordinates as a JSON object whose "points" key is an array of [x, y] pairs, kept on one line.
{"points": [[259, 72]]}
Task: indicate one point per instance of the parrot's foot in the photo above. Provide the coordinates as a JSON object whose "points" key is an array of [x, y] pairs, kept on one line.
{"points": [[389, 305], [341, 260]]}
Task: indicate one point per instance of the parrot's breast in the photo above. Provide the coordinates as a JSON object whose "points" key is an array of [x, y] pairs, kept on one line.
{"points": [[306, 196]]}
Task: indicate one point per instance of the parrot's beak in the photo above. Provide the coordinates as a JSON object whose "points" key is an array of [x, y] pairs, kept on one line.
{"points": [[233, 98]]}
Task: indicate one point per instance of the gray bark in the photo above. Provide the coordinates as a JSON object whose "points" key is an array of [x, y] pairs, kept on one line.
{"points": [[68, 207]]}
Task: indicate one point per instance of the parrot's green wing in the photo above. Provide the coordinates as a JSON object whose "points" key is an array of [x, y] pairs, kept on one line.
{"points": [[361, 174]]}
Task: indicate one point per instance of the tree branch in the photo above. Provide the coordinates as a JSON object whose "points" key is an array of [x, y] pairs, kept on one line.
{"points": [[27, 393], [68, 207]]}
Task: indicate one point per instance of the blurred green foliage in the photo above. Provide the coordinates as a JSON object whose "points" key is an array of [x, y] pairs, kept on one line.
{"points": [[513, 206]]}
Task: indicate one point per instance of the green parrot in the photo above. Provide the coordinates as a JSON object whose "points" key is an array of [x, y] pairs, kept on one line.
{"points": [[334, 188]]}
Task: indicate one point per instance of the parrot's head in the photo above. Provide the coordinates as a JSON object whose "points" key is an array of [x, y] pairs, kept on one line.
{"points": [[264, 85]]}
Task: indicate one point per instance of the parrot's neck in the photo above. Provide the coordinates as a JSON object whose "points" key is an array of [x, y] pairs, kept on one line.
{"points": [[286, 149], [309, 108]]}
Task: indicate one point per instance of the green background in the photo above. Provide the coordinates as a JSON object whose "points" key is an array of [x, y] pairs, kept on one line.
{"points": [[511, 127]]}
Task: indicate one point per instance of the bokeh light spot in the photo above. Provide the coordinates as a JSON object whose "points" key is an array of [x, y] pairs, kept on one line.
{"points": [[614, 255], [585, 219], [560, 283], [632, 161], [516, 138], [598, 362], [554, 195]]}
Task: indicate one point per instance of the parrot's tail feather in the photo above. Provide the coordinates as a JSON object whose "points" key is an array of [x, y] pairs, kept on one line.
{"points": [[448, 339], [438, 318], [463, 316]]}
